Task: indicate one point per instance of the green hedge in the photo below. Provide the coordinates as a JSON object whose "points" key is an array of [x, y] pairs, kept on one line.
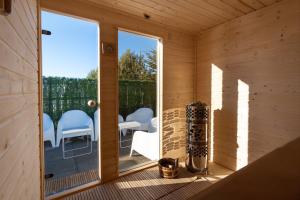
{"points": [[63, 94], [136, 94]]}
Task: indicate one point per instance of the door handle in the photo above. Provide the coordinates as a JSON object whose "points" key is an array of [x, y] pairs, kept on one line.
{"points": [[92, 103]]}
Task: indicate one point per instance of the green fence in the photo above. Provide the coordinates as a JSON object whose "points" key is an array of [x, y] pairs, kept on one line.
{"points": [[63, 94]]}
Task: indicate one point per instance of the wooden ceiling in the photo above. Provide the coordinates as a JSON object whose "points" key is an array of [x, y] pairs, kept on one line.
{"points": [[191, 16]]}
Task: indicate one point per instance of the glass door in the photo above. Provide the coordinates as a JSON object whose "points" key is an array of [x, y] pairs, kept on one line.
{"points": [[70, 110], [139, 138]]}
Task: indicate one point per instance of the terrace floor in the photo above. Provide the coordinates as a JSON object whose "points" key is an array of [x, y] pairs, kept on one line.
{"points": [[80, 170]]}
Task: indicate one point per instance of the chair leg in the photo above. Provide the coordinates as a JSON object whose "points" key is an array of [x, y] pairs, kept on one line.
{"points": [[63, 147], [131, 152], [58, 141], [52, 142], [96, 136], [124, 131], [93, 138], [130, 155]]}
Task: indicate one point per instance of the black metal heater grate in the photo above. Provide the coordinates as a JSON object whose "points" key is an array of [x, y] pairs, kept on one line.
{"points": [[196, 148]]}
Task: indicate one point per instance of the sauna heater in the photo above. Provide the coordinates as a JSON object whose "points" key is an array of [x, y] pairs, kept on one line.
{"points": [[196, 135]]}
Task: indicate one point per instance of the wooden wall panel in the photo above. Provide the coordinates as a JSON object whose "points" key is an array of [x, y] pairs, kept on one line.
{"points": [[178, 79], [274, 176], [262, 50], [178, 91], [19, 123]]}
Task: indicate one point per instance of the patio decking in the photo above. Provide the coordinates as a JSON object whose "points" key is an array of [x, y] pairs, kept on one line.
{"points": [[72, 172]]}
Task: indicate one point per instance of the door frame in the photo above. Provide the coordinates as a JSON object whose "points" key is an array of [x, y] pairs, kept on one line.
{"points": [[40, 109], [114, 21], [159, 96]]}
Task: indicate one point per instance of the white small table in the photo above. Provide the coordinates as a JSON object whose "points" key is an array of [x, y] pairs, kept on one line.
{"points": [[76, 133], [127, 125]]}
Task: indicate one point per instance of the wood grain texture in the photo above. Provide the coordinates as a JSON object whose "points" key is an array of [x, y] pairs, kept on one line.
{"points": [[260, 179], [178, 69], [19, 122], [187, 15], [53, 186], [109, 149], [262, 50], [147, 184]]}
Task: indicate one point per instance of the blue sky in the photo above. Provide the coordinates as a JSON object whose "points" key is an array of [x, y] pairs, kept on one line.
{"points": [[72, 48]]}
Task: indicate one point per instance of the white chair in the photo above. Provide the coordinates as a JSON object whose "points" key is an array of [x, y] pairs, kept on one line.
{"points": [[146, 143], [96, 122], [120, 119], [141, 115], [153, 125], [74, 123], [48, 126], [96, 118]]}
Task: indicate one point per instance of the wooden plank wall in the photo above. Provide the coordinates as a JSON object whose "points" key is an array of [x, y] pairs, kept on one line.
{"points": [[178, 90], [178, 69], [260, 49], [274, 176], [19, 122]]}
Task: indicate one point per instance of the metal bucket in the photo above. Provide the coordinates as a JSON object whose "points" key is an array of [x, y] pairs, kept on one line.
{"points": [[196, 144]]}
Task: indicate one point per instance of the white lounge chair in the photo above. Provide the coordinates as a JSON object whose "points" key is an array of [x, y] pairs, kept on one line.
{"points": [[48, 126], [120, 119], [96, 118], [146, 143], [141, 115], [74, 123]]}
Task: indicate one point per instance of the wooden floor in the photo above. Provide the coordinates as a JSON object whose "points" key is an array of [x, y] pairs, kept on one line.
{"points": [[52, 186], [147, 184]]}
